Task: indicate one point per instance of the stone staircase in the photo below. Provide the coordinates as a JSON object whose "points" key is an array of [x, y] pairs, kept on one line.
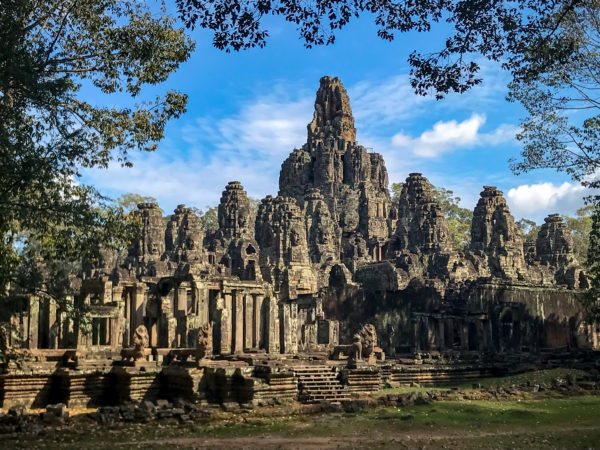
{"points": [[319, 383]]}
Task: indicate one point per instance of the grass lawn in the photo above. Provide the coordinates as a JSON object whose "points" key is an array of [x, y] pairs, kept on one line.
{"points": [[547, 423]]}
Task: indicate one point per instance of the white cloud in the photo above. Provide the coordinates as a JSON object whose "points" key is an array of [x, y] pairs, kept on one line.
{"points": [[248, 146], [446, 136], [536, 201], [387, 101]]}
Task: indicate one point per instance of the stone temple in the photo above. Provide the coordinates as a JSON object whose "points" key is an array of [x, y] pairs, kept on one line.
{"points": [[270, 295]]}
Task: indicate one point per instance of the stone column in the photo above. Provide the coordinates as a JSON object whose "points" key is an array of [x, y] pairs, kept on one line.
{"points": [[442, 335], [127, 307], [431, 331], [33, 320], [248, 321], [53, 325], [334, 333], [153, 333], [227, 321], [464, 338], [172, 332], [270, 325], [202, 293], [288, 315], [139, 300], [416, 337], [67, 338], [223, 322], [107, 292], [181, 300], [238, 344], [450, 333], [256, 302], [84, 340], [115, 332], [117, 325]]}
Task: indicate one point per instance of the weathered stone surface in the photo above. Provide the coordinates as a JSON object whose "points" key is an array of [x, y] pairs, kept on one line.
{"points": [[235, 214], [333, 116], [554, 245], [554, 249], [323, 234], [284, 257], [421, 226], [352, 182], [145, 255], [184, 236], [233, 244], [495, 237]]}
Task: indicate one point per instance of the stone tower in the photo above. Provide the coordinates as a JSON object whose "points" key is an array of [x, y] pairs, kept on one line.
{"points": [[235, 214], [184, 236], [146, 253], [332, 118], [554, 250], [352, 182], [496, 237], [421, 226]]}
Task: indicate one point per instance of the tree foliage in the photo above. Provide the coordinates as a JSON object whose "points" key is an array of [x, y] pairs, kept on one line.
{"points": [[562, 128], [580, 227], [209, 219], [395, 191], [591, 299], [56, 56], [459, 219], [130, 201], [505, 31], [529, 229]]}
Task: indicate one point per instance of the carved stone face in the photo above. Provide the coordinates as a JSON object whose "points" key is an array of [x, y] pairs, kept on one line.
{"points": [[295, 237], [152, 246], [191, 243]]}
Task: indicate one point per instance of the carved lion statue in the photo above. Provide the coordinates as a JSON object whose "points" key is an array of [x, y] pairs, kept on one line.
{"points": [[141, 340], [362, 347], [204, 341]]}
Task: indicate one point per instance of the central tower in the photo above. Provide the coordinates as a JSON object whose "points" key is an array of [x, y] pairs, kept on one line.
{"points": [[352, 182]]}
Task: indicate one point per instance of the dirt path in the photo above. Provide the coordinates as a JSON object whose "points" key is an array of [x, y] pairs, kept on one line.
{"points": [[541, 436]]}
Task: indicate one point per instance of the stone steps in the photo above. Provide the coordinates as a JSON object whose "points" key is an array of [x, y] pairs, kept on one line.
{"points": [[317, 384], [363, 383], [275, 388]]}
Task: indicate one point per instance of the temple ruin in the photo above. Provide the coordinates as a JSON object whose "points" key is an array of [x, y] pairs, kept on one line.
{"points": [[269, 296]]}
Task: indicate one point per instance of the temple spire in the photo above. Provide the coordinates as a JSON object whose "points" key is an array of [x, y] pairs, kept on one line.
{"points": [[333, 115]]}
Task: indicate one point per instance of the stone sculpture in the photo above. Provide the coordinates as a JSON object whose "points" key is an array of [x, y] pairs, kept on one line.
{"points": [[140, 342], [364, 344], [204, 344]]}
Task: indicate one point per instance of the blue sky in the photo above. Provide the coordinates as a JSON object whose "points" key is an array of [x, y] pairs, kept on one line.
{"points": [[248, 110]]}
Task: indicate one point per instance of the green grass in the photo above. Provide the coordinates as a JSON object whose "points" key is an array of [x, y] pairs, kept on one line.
{"points": [[563, 422]]}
